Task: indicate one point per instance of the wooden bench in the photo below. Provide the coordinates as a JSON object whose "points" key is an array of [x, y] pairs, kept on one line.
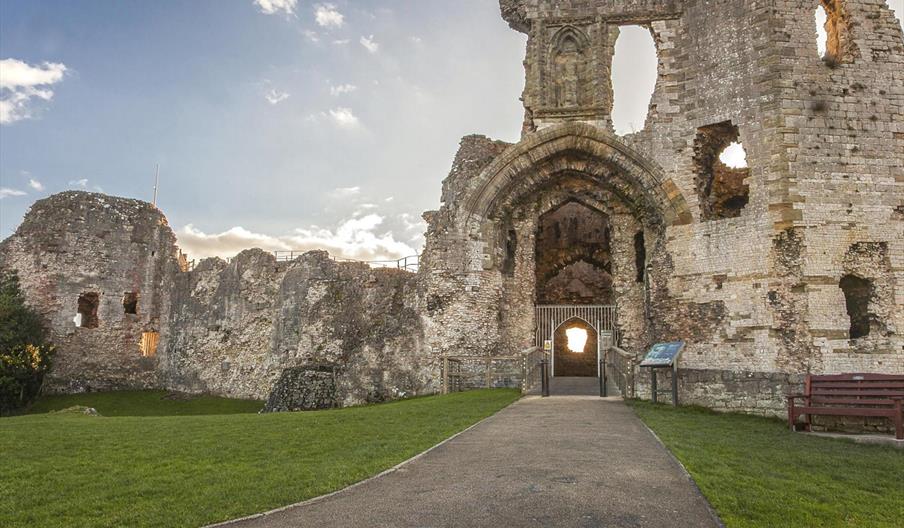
{"points": [[863, 395]]}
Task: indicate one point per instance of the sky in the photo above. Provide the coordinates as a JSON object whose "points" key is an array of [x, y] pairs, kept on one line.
{"points": [[280, 124]]}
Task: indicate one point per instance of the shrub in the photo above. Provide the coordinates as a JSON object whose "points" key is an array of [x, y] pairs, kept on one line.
{"points": [[25, 355]]}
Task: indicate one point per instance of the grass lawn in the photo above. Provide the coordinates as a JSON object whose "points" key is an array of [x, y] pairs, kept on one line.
{"points": [[77, 470], [756, 473], [146, 403]]}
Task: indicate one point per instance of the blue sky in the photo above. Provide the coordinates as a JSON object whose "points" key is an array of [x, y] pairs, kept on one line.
{"points": [[276, 123]]}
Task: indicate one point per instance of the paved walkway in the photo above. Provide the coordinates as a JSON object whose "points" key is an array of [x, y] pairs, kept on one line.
{"points": [[572, 461]]}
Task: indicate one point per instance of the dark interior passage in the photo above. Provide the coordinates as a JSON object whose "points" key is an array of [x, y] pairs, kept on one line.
{"points": [[573, 263]]}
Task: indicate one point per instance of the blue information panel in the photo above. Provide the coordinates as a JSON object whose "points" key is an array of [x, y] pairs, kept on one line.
{"points": [[663, 354]]}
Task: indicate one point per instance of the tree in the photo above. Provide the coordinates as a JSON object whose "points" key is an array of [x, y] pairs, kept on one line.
{"points": [[25, 355]]}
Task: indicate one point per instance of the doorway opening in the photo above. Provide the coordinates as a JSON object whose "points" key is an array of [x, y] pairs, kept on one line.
{"points": [[575, 349]]}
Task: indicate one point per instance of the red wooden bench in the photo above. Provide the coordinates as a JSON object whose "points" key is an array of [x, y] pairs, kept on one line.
{"points": [[850, 395]]}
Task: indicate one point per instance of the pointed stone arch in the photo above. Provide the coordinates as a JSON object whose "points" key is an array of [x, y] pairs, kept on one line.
{"points": [[581, 149], [566, 33]]}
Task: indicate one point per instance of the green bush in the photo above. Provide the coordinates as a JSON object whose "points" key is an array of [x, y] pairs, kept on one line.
{"points": [[24, 353]]}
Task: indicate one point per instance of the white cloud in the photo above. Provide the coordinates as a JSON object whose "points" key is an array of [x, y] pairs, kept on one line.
{"points": [[311, 35], [346, 191], [328, 16], [271, 7], [275, 96], [342, 89], [20, 83], [344, 118], [355, 238], [370, 44], [35, 184], [341, 42], [83, 183], [6, 192]]}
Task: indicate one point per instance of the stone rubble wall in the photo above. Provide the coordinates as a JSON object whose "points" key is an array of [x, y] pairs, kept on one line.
{"points": [[304, 389], [235, 327], [229, 329]]}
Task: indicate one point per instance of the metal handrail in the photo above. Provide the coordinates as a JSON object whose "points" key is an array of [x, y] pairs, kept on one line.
{"points": [[530, 366], [410, 263], [452, 372], [624, 366]]}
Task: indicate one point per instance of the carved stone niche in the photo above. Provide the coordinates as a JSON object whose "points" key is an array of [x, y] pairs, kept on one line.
{"points": [[568, 79]]}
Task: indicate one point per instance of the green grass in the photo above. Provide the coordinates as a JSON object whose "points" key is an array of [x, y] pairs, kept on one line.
{"points": [[756, 473], [146, 403], [76, 470]]}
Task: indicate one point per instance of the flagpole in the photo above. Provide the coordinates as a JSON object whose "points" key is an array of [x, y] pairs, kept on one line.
{"points": [[156, 183]]}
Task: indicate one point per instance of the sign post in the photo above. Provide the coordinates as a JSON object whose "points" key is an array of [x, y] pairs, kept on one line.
{"points": [[664, 356]]}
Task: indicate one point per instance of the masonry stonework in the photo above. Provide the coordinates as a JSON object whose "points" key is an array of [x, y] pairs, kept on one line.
{"points": [[791, 265]]}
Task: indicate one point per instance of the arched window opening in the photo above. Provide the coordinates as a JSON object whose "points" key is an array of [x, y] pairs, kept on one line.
{"points": [[640, 255], [857, 295], [720, 163], [635, 67]]}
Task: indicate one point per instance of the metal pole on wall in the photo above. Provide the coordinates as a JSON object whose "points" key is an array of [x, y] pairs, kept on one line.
{"points": [[544, 377], [653, 385], [675, 384], [603, 388]]}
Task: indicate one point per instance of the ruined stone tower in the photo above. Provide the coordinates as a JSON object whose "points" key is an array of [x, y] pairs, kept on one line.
{"points": [[794, 264]]}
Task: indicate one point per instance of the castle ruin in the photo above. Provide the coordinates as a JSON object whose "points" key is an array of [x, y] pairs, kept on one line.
{"points": [[794, 264]]}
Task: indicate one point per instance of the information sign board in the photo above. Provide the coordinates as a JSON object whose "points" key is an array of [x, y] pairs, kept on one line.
{"points": [[663, 354]]}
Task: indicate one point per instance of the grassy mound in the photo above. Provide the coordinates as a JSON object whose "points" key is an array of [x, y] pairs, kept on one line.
{"points": [[146, 403], [757, 473], [76, 470]]}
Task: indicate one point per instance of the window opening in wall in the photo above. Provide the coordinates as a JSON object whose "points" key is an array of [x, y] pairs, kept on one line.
{"points": [[720, 164], [130, 303], [857, 295], [635, 68], [640, 255], [149, 342], [821, 36], [88, 304]]}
